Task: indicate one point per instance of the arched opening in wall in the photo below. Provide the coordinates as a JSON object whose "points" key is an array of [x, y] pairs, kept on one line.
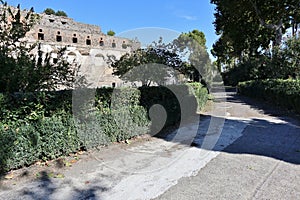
{"points": [[40, 34], [84, 52], [124, 45], [71, 53], [88, 41], [99, 55], [75, 40], [101, 42], [113, 44], [58, 37]]}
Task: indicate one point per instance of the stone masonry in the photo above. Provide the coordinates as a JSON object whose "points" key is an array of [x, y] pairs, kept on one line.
{"points": [[85, 43]]}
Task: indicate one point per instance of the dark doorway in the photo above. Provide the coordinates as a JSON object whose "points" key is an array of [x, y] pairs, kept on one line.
{"points": [[58, 38], [88, 42], [41, 36]]}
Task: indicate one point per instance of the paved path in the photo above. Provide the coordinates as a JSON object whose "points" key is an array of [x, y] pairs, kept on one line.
{"points": [[235, 152], [262, 164]]}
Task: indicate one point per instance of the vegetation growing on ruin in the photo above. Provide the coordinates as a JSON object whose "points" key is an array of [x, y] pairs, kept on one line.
{"points": [[50, 11], [110, 33]]}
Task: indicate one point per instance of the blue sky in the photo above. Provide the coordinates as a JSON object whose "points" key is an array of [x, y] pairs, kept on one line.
{"points": [[123, 16]]}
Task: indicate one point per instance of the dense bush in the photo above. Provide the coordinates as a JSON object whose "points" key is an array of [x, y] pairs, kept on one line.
{"points": [[179, 101], [42, 125], [285, 93], [239, 73], [200, 92], [163, 96], [117, 117], [22, 143], [33, 106]]}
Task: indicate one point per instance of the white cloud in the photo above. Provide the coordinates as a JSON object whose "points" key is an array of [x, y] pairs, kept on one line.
{"points": [[188, 17], [181, 13]]}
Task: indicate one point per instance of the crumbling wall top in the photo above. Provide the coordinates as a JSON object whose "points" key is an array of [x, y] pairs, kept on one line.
{"points": [[61, 22]]}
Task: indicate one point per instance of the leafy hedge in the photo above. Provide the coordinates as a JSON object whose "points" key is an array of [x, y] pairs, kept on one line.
{"points": [[179, 101], [22, 143], [113, 121], [42, 125], [285, 93], [200, 92]]}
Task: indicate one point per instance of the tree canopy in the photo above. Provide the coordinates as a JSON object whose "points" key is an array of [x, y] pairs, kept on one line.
{"points": [[247, 27], [193, 46], [196, 35], [186, 55], [49, 11], [61, 13], [148, 65]]}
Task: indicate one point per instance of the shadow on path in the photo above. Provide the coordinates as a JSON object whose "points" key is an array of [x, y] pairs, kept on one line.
{"points": [[278, 139], [45, 188]]}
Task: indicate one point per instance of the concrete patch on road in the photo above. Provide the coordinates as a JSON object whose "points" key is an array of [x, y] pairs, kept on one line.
{"points": [[164, 172]]}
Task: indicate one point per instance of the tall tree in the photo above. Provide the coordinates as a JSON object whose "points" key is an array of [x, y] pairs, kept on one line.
{"points": [[246, 27], [187, 55], [148, 65], [192, 45]]}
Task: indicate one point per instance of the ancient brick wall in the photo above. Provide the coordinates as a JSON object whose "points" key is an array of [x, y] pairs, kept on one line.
{"points": [[65, 31], [85, 43]]}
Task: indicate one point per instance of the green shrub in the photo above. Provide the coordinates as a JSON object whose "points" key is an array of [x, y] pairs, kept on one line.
{"points": [[172, 97], [166, 98], [17, 146], [22, 106], [117, 117], [201, 94], [22, 143], [56, 136], [41, 125], [285, 93]]}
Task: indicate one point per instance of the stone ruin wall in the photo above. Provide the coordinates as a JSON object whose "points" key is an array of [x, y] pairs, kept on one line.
{"points": [[85, 43]]}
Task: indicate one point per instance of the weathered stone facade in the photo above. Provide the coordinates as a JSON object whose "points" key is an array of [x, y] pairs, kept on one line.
{"points": [[85, 43]]}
